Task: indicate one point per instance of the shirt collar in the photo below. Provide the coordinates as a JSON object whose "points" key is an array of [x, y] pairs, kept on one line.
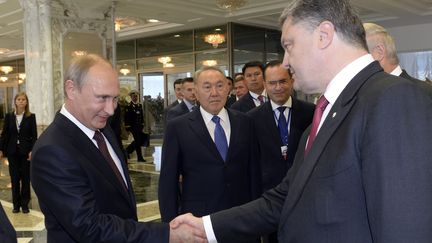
{"points": [[188, 104], [341, 80], [397, 71], [255, 95], [90, 133], [288, 104], [223, 115]]}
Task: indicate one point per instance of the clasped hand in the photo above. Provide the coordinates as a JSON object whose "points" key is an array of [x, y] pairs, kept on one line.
{"points": [[187, 228]]}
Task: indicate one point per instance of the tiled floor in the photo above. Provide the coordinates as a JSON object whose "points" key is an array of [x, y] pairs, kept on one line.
{"points": [[30, 227]]}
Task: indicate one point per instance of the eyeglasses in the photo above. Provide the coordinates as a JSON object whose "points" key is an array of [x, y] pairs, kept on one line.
{"points": [[281, 82]]}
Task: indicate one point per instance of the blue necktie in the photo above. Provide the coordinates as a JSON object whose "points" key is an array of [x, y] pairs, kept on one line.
{"points": [[283, 126], [220, 138]]}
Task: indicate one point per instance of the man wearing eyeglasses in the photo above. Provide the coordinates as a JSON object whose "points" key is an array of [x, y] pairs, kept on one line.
{"points": [[253, 74], [279, 125]]}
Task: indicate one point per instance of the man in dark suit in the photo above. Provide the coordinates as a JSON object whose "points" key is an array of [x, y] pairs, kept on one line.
{"points": [[382, 47], [7, 232], [253, 74], [364, 175], [215, 156], [134, 123], [189, 100], [78, 170]]}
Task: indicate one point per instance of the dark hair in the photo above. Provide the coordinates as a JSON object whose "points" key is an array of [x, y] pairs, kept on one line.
{"points": [[253, 64], [275, 63], [177, 81], [187, 80], [230, 79], [339, 12]]}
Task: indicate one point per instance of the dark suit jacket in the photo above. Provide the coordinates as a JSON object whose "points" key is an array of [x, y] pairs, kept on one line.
{"points": [[7, 232], [244, 104], [273, 166], [176, 111], [367, 177], [230, 100], [78, 192], [27, 134], [209, 184]]}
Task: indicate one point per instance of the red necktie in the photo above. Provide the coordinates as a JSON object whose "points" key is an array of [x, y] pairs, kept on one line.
{"points": [[104, 150], [261, 99], [319, 109]]}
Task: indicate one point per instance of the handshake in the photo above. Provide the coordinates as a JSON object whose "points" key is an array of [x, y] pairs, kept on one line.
{"points": [[187, 228]]}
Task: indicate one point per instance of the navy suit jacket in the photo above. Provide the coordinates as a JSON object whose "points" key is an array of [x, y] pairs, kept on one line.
{"points": [[7, 232], [78, 192], [244, 104], [176, 111], [273, 166], [367, 177], [208, 183], [27, 134]]}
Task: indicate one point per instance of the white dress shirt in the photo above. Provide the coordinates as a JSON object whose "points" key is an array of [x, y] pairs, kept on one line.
{"points": [[211, 126], [397, 71], [90, 134], [255, 97]]}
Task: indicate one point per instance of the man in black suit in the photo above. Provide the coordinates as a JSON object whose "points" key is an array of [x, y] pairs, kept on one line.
{"points": [[134, 123], [364, 175], [7, 232], [212, 148], [382, 47], [253, 74], [178, 93], [78, 170], [189, 100]]}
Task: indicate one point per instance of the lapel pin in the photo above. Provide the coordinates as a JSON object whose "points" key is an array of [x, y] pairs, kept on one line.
{"points": [[334, 115]]}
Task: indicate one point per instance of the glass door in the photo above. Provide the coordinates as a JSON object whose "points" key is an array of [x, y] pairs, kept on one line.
{"points": [[153, 94]]}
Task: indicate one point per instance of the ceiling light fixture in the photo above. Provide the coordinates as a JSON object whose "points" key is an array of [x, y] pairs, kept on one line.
{"points": [[22, 76], [78, 53], [164, 60], [168, 65], [3, 78], [6, 69], [124, 71], [214, 39], [126, 22], [209, 63], [230, 5], [153, 20]]}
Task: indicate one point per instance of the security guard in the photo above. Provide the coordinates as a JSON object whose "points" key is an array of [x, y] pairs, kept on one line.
{"points": [[134, 123]]}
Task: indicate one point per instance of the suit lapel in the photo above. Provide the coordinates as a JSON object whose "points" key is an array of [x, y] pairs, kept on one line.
{"points": [[94, 156], [337, 114], [198, 127], [235, 124], [270, 123]]}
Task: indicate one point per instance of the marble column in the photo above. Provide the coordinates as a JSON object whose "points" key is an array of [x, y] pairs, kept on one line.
{"points": [[46, 22]]}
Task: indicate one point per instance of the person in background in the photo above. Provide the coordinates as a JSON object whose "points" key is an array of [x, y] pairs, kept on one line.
{"points": [[16, 142], [231, 95], [178, 93], [188, 103], [362, 172], [240, 86], [79, 173], [253, 74], [279, 125], [134, 123]]}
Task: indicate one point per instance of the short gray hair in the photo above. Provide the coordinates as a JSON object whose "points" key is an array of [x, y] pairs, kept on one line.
{"points": [[376, 34], [207, 68], [339, 12]]}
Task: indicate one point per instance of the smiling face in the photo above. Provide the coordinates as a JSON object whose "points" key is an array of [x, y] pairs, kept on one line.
{"points": [[212, 91], [301, 57], [96, 101], [278, 84]]}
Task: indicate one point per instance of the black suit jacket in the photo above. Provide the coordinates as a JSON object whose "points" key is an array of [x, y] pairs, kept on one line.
{"points": [[27, 134], [367, 177], [78, 192], [209, 184], [176, 111], [273, 166], [7, 232], [244, 104]]}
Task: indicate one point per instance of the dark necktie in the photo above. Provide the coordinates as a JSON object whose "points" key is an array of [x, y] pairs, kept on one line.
{"points": [[283, 126], [104, 150], [220, 138], [261, 99], [319, 109]]}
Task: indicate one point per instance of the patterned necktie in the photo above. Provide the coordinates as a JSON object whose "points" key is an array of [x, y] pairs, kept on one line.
{"points": [[261, 99], [283, 126], [105, 153], [319, 109], [220, 138]]}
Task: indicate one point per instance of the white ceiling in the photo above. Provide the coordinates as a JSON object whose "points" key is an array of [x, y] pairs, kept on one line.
{"points": [[177, 15]]}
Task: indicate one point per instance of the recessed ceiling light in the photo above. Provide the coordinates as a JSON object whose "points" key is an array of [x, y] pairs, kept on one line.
{"points": [[176, 36], [218, 29], [153, 20]]}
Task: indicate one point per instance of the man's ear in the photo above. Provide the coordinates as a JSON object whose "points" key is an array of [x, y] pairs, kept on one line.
{"points": [[326, 32], [70, 89], [378, 52]]}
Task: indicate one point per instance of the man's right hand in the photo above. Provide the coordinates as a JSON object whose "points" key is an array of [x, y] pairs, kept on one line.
{"points": [[187, 228]]}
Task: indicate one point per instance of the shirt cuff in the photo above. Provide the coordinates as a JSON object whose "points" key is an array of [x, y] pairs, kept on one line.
{"points": [[208, 227]]}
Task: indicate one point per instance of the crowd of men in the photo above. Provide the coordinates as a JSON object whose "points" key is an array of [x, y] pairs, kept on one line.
{"points": [[355, 167]]}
